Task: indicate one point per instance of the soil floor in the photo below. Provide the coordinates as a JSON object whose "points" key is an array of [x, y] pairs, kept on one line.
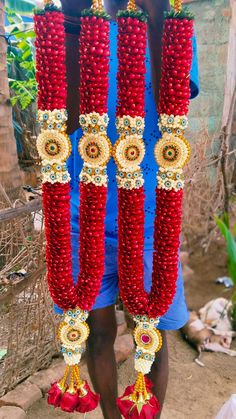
{"points": [[194, 392]]}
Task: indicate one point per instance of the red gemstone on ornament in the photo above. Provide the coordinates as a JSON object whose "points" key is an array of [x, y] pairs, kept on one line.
{"points": [[145, 339]]}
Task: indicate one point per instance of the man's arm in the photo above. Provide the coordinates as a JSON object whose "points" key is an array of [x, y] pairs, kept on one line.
{"points": [[155, 10]]}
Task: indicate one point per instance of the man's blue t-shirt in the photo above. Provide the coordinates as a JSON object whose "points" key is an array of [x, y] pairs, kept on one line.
{"points": [[149, 166]]}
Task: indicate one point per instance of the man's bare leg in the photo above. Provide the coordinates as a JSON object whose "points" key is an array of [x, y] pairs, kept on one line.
{"points": [[159, 372], [101, 359]]}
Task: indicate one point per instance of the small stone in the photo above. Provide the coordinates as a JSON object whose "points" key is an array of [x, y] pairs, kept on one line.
{"points": [[124, 346], [43, 379], [24, 395], [12, 412]]}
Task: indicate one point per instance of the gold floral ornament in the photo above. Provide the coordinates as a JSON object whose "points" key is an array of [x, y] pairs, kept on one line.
{"points": [[129, 152], [72, 334], [54, 172], [170, 179], [94, 123], [148, 340], [172, 124], [172, 152], [128, 125], [95, 149], [129, 179], [55, 119], [95, 175], [53, 146]]}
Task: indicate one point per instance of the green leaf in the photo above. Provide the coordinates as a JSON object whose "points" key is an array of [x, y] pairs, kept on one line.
{"points": [[14, 100], [13, 17], [24, 7], [138, 14], [24, 92], [234, 230], [97, 13], [231, 247], [225, 219], [183, 14], [19, 28]]}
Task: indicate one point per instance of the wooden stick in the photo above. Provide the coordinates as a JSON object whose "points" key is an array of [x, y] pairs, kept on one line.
{"points": [[16, 289], [11, 213]]}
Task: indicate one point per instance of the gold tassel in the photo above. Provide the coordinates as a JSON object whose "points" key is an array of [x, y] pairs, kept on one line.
{"points": [[140, 387], [178, 5], [131, 6], [62, 382], [97, 5]]}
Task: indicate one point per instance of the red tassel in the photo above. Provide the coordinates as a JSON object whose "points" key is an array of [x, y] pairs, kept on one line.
{"points": [[87, 399], [54, 395], [134, 404], [69, 401]]}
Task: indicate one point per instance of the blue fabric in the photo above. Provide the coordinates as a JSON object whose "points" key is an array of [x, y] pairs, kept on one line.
{"points": [[177, 314], [194, 78]]}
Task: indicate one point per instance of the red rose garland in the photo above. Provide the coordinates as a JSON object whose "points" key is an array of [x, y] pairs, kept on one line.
{"points": [[171, 153], [128, 150], [54, 148]]}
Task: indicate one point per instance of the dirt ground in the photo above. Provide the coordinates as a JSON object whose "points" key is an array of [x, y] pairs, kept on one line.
{"points": [[194, 392]]}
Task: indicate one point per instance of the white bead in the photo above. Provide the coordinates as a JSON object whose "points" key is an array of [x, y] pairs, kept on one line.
{"points": [[143, 365], [72, 360]]}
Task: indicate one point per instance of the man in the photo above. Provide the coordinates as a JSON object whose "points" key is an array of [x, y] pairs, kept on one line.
{"points": [[102, 322]]}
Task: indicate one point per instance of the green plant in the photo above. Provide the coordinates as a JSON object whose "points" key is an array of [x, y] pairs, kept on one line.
{"points": [[24, 7], [20, 59], [21, 75], [229, 235]]}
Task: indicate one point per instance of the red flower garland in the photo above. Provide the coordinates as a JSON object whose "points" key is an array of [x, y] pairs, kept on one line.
{"points": [[50, 60], [137, 401], [58, 236], [131, 92], [94, 64], [51, 78], [130, 250], [174, 100], [178, 32], [167, 229], [54, 146], [132, 34], [176, 65]]}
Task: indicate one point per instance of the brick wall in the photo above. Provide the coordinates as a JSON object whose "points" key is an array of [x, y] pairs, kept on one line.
{"points": [[213, 19]]}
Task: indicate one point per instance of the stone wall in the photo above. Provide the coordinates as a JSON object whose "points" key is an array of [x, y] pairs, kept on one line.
{"points": [[213, 18]]}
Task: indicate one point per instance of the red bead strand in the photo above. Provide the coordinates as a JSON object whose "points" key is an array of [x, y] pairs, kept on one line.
{"points": [[51, 78], [130, 250], [167, 229], [50, 60], [132, 34], [176, 66], [94, 64]]}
